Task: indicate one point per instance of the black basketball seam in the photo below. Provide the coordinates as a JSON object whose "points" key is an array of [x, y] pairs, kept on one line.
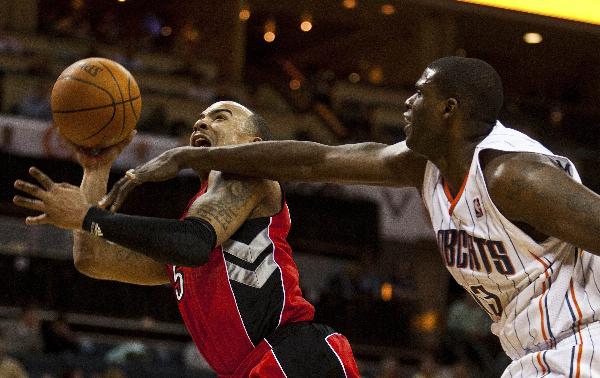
{"points": [[129, 94], [103, 127], [95, 107], [120, 92], [109, 95], [87, 82]]}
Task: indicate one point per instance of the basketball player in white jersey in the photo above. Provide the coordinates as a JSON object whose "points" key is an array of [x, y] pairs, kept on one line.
{"points": [[514, 225]]}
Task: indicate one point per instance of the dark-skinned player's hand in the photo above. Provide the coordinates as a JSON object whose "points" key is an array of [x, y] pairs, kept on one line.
{"points": [[162, 168], [62, 205]]}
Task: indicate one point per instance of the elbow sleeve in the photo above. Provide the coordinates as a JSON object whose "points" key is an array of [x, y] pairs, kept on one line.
{"points": [[185, 242]]}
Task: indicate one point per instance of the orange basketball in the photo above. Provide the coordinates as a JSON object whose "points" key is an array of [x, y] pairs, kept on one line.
{"points": [[95, 103]]}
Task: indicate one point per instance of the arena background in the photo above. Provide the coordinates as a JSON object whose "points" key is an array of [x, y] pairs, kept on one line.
{"points": [[323, 70]]}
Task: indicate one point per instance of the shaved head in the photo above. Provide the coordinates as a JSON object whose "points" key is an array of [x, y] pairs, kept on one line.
{"points": [[474, 83]]}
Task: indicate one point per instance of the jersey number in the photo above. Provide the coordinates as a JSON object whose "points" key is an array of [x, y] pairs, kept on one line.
{"points": [[488, 301], [178, 283]]}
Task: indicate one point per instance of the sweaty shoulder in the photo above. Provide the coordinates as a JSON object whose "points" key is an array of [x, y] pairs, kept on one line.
{"points": [[515, 181]]}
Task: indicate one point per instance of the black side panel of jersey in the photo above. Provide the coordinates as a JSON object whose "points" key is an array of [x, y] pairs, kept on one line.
{"points": [[303, 352], [260, 309], [249, 229]]}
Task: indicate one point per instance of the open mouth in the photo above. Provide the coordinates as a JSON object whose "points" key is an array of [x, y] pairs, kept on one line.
{"points": [[201, 141]]}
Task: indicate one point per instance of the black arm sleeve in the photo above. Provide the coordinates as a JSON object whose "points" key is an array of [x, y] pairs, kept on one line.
{"points": [[185, 242]]}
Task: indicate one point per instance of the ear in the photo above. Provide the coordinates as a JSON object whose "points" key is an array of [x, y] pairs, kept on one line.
{"points": [[451, 107], [256, 139]]}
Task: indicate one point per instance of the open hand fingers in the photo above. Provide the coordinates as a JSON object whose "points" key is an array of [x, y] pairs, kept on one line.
{"points": [[31, 189], [118, 194], [127, 187], [39, 219], [109, 198], [41, 177], [29, 203]]}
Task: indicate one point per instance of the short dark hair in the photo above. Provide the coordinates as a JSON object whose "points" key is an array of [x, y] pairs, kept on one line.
{"points": [[474, 83], [257, 126]]}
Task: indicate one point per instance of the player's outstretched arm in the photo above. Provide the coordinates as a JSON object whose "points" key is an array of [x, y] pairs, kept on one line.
{"points": [[93, 256], [186, 242], [362, 163], [532, 189]]}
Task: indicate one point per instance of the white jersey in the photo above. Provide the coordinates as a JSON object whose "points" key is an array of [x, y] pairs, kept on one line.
{"points": [[538, 294]]}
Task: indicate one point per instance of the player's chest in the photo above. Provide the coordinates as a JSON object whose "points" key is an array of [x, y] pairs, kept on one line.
{"points": [[469, 236]]}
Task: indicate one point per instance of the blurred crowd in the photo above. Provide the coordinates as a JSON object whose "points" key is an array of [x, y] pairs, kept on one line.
{"points": [[371, 308], [30, 346]]}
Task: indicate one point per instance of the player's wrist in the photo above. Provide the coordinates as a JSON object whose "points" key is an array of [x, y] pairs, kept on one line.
{"points": [[97, 174], [94, 185]]}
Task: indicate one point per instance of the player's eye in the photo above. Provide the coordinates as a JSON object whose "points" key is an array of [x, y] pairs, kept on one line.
{"points": [[220, 118]]}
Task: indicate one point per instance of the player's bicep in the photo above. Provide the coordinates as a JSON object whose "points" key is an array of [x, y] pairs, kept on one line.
{"points": [[228, 204], [534, 191]]}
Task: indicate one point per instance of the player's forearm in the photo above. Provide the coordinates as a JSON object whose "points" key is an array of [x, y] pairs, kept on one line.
{"points": [[90, 252], [185, 242], [290, 161], [115, 263], [94, 184]]}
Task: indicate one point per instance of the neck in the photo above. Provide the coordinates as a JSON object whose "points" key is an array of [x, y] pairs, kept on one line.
{"points": [[454, 163]]}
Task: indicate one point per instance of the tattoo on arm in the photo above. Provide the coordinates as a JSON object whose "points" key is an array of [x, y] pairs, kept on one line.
{"points": [[105, 250], [235, 194]]}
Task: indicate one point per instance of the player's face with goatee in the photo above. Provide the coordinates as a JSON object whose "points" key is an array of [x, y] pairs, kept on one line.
{"points": [[424, 115], [221, 124]]}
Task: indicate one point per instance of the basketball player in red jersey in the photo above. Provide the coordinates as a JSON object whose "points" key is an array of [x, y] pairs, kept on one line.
{"points": [[227, 258], [515, 226]]}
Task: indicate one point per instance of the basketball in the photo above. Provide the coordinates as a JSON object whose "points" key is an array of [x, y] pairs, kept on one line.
{"points": [[95, 103]]}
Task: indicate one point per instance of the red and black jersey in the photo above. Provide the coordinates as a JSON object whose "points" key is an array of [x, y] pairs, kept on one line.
{"points": [[247, 289]]}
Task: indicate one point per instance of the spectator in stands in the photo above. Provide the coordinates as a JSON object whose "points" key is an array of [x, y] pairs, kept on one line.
{"points": [[462, 369], [10, 367], [108, 29], [36, 104], [388, 368], [127, 352], [58, 336], [345, 284], [192, 359], [468, 334], [72, 373], [323, 82], [429, 368], [23, 336], [356, 280], [114, 372], [127, 57], [73, 24]]}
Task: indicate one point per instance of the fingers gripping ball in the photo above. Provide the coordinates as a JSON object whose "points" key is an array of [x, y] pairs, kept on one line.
{"points": [[96, 103]]}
